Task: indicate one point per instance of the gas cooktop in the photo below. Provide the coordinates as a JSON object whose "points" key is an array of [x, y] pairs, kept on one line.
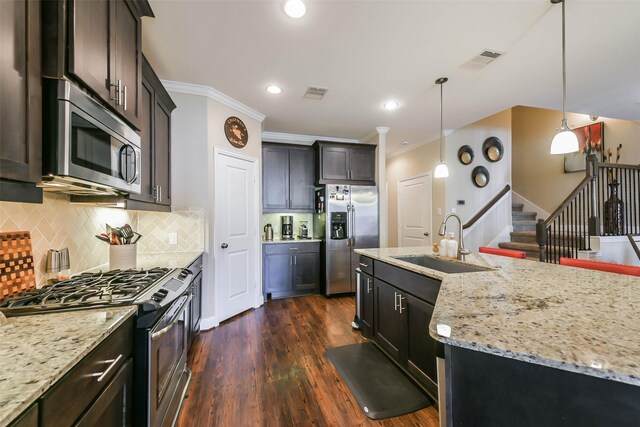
{"points": [[88, 290]]}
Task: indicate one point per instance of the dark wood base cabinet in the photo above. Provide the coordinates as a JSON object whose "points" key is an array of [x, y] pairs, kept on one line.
{"points": [[97, 391], [490, 390], [399, 305], [291, 269]]}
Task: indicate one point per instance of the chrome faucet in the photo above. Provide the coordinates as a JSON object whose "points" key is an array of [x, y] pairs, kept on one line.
{"points": [[462, 251]]}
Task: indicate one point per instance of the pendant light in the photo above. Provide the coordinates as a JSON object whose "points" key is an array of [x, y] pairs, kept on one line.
{"points": [[441, 171], [565, 140]]}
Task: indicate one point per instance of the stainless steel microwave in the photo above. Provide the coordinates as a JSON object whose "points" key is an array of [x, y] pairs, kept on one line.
{"points": [[87, 150]]}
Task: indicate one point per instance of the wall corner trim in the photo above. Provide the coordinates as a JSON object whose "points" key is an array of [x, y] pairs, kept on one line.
{"points": [[211, 93]]}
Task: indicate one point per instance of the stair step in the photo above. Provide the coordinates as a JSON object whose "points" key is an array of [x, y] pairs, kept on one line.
{"points": [[524, 216], [524, 225], [523, 237], [532, 249], [517, 207]]}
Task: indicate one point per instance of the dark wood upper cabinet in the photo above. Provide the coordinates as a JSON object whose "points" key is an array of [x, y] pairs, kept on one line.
{"points": [[155, 139], [287, 178], [99, 45], [127, 59], [21, 101], [345, 163], [275, 178], [90, 44]]}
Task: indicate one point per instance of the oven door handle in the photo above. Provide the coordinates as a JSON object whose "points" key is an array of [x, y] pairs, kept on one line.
{"points": [[173, 321]]}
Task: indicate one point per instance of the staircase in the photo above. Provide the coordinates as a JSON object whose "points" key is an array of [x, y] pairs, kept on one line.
{"points": [[523, 237]]}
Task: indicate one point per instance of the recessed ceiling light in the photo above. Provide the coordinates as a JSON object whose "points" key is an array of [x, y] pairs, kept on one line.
{"points": [[405, 143], [274, 89], [295, 8], [390, 105]]}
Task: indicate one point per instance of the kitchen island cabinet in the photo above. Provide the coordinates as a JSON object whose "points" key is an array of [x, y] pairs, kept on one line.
{"points": [[21, 112], [527, 343]]}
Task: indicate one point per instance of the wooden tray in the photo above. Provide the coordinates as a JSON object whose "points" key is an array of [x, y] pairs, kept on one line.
{"points": [[16, 263]]}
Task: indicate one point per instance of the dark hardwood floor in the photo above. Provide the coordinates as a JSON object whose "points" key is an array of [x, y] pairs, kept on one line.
{"points": [[267, 367]]}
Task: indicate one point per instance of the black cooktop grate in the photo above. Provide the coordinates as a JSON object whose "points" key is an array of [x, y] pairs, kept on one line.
{"points": [[87, 289]]}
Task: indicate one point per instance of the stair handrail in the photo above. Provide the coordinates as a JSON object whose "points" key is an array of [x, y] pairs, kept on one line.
{"points": [[485, 209], [634, 245], [588, 194]]}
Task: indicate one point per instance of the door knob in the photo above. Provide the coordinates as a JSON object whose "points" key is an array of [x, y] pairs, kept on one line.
{"points": [[426, 233], [224, 246]]}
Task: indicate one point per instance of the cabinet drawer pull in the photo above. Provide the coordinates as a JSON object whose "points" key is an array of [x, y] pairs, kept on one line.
{"points": [[113, 363], [400, 303], [125, 98], [395, 301], [295, 260], [364, 265], [368, 285], [293, 249]]}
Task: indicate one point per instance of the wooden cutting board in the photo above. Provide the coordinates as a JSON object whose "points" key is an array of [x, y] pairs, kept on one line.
{"points": [[16, 263]]}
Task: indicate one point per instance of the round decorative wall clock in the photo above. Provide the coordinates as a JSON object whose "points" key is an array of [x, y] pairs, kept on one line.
{"points": [[236, 132]]}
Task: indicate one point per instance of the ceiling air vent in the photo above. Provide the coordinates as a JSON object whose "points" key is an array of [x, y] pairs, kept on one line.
{"points": [[484, 58], [315, 92]]}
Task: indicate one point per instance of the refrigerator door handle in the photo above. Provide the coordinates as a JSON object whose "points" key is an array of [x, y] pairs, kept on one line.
{"points": [[353, 225]]}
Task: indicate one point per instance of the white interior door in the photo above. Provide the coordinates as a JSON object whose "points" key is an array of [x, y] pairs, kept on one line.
{"points": [[414, 211], [236, 218]]}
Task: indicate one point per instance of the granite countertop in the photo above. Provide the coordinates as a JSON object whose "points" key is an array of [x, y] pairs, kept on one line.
{"points": [[578, 320], [296, 240], [39, 350]]}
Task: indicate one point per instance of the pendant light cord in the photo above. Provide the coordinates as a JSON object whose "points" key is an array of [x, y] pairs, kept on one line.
{"points": [[441, 131], [564, 68]]}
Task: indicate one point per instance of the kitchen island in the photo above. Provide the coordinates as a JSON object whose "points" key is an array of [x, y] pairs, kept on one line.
{"points": [[524, 339]]}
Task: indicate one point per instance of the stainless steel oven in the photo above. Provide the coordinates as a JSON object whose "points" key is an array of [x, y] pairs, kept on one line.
{"points": [[87, 149], [168, 372]]}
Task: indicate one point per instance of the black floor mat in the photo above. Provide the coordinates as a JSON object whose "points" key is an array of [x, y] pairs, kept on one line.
{"points": [[380, 388]]}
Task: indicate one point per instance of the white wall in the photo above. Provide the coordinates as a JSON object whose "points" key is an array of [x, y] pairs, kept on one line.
{"points": [[197, 129], [459, 185]]}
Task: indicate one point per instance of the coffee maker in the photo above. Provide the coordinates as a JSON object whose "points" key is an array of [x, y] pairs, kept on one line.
{"points": [[286, 223]]}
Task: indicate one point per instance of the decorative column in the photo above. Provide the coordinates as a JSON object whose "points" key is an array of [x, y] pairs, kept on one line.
{"points": [[383, 203]]}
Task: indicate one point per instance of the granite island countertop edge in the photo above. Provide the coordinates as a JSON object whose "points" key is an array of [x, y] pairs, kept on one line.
{"points": [[613, 361]]}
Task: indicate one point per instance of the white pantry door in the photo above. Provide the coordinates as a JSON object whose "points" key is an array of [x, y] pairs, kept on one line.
{"points": [[414, 211], [236, 211]]}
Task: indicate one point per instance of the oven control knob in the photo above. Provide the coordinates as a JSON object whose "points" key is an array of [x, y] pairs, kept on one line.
{"points": [[163, 292], [148, 306], [184, 273], [158, 296]]}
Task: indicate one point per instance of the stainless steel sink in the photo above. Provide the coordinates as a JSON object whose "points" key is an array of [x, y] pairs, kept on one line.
{"points": [[440, 264]]}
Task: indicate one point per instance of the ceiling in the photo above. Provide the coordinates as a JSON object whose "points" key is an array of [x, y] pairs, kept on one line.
{"points": [[368, 52]]}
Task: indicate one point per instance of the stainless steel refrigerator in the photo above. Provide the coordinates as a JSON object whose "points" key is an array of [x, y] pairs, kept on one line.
{"points": [[349, 221]]}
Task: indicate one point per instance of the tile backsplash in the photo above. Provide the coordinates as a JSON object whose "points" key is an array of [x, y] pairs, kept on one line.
{"points": [[57, 224], [156, 227]]}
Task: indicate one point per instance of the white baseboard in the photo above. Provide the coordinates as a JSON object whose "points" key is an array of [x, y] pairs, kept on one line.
{"points": [[207, 323]]}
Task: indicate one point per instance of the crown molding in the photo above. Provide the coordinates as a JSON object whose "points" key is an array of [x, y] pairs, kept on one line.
{"points": [[292, 138], [211, 93]]}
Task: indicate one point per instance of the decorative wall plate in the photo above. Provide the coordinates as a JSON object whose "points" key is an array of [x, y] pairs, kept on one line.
{"points": [[236, 132], [465, 155], [480, 176], [492, 149]]}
